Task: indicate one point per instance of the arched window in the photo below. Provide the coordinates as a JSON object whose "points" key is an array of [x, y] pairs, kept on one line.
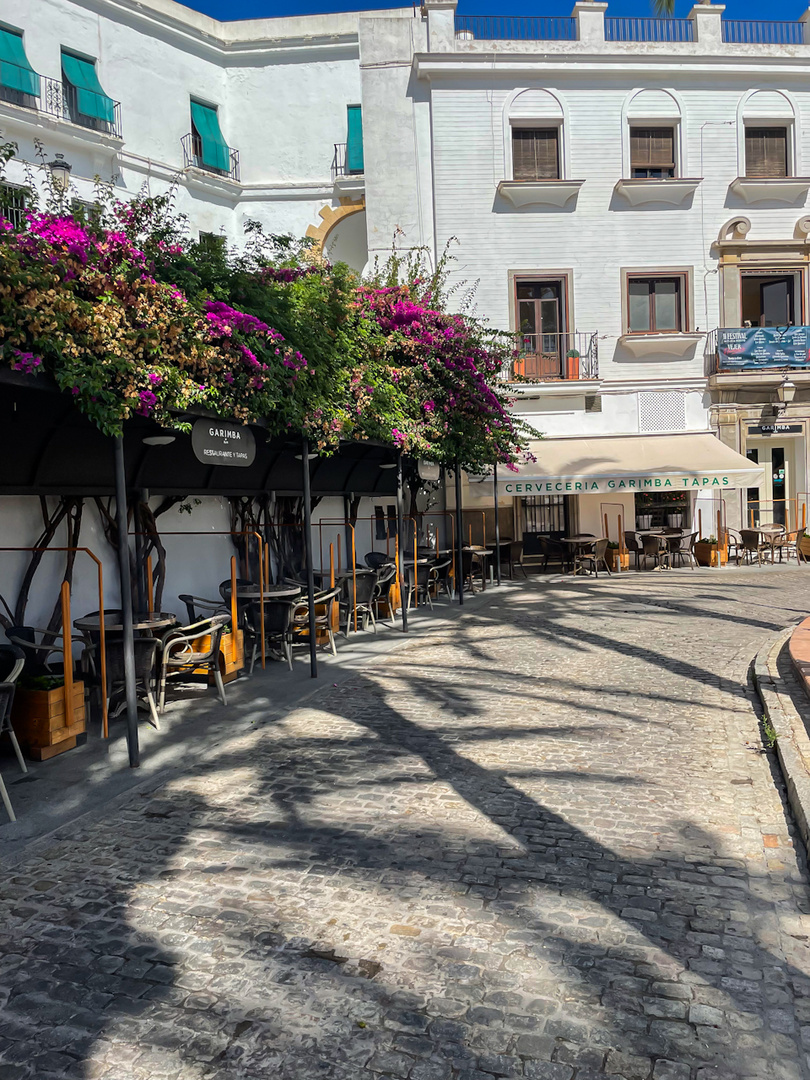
{"points": [[534, 136], [652, 142], [767, 140]]}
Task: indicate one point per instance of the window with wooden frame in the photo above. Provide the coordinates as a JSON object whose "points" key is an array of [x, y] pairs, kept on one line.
{"points": [[535, 153], [766, 151], [652, 153], [656, 304]]}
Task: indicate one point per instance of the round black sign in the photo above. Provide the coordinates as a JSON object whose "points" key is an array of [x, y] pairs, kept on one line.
{"points": [[216, 442]]}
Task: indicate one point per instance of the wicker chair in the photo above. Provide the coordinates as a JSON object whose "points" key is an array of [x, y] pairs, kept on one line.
{"points": [[183, 651], [323, 619], [593, 557]]}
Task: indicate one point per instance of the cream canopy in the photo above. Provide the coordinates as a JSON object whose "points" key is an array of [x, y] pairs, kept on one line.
{"points": [[687, 462]]}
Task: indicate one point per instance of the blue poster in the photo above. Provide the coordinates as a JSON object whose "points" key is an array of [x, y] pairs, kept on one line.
{"points": [[761, 347]]}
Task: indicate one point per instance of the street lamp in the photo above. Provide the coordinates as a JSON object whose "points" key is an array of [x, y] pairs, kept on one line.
{"points": [[60, 172], [785, 392]]}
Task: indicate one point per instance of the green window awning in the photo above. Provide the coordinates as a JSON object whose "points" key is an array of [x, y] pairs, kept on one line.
{"points": [[215, 151], [90, 97], [354, 140], [15, 71]]}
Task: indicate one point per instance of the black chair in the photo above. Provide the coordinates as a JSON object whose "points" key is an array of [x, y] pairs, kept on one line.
{"points": [[323, 619], [386, 576], [417, 585], [361, 600], [654, 547], [593, 557], [376, 559], [631, 542], [12, 662], [145, 672], [185, 648], [38, 646], [277, 629], [198, 607]]}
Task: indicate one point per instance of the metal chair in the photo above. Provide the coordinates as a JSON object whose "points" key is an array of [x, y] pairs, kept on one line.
{"points": [[145, 649], [418, 586], [362, 590], [376, 559], [277, 628], [684, 549], [37, 653], [323, 620], [752, 544], [179, 652], [633, 547], [12, 662], [594, 558], [199, 607], [654, 547]]}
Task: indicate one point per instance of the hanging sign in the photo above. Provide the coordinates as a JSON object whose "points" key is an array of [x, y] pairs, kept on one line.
{"points": [[775, 429], [762, 347], [216, 442]]}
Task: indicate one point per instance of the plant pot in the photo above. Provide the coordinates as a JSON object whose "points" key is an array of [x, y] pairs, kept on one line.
{"points": [[644, 521], [572, 367], [706, 554], [39, 721], [675, 520], [615, 562]]}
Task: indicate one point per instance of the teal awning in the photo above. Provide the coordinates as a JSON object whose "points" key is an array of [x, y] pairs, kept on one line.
{"points": [[90, 97], [215, 152], [354, 140], [15, 71]]}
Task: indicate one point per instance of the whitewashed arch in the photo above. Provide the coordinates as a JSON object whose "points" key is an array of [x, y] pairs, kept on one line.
{"points": [[546, 106], [770, 104], [656, 104]]}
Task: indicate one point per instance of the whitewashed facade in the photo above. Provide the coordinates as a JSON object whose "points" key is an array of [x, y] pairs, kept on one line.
{"points": [[448, 108]]}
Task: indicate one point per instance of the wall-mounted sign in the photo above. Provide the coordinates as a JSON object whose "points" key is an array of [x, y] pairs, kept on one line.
{"points": [[758, 348], [775, 429], [429, 470], [216, 442]]}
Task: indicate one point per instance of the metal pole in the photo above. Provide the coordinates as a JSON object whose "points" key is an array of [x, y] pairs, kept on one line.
{"points": [[400, 537], [497, 525], [126, 604], [313, 637], [139, 564], [459, 537]]}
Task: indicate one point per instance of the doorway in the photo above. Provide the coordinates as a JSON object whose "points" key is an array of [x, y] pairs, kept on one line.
{"points": [[783, 464], [772, 299], [541, 322]]}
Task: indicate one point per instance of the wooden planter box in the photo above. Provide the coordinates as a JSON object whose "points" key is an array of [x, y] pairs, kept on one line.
{"points": [[231, 655], [804, 547], [39, 721], [614, 561], [707, 554]]}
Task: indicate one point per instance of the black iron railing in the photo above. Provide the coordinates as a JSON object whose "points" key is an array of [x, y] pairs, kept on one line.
{"points": [[758, 32], [60, 99], [551, 357], [340, 165], [634, 29], [516, 28], [193, 156]]}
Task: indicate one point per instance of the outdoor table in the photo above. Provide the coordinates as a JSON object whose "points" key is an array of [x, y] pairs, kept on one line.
{"points": [[482, 554], [154, 620], [577, 543], [270, 592], [770, 534]]}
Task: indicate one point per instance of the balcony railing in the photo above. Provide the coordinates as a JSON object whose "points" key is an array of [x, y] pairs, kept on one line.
{"points": [[554, 357], [746, 32], [193, 156], [61, 100], [649, 29], [340, 162], [752, 349], [516, 28]]}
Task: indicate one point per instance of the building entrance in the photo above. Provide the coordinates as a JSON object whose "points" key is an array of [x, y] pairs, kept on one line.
{"points": [[774, 501]]}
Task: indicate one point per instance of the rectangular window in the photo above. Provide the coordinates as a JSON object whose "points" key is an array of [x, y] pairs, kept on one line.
{"points": [[87, 103], [766, 151], [212, 243], [655, 304], [13, 202], [210, 149], [535, 153], [652, 153]]}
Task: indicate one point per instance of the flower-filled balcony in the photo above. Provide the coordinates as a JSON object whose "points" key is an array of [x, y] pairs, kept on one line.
{"points": [[555, 358]]}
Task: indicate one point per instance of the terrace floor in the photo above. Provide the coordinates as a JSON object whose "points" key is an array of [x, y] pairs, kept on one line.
{"points": [[542, 840]]}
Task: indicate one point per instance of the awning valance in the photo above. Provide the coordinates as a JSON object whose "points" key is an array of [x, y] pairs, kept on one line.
{"points": [[15, 71], [90, 97], [628, 464]]}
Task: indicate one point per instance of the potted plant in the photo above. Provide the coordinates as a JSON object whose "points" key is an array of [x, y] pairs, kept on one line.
{"points": [[572, 364], [706, 551], [616, 561], [675, 519], [644, 521], [38, 716]]}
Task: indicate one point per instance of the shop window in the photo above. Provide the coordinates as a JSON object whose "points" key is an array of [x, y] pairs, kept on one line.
{"points": [[545, 514], [666, 509], [656, 304]]}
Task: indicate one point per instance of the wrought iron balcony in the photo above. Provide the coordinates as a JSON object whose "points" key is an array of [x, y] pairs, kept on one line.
{"points": [[758, 32], [554, 357], [641, 29], [193, 156], [60, 99], [340, 162], [516, 28]]}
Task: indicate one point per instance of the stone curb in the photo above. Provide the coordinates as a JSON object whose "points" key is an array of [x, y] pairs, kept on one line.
{"points": [[792, 743]]}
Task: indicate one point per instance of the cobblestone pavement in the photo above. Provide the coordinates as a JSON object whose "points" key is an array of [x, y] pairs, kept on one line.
{"points": [[544, 844]]}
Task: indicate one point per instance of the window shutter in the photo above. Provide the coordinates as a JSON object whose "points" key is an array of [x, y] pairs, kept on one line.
{"points": [[652, 148], [535, 154], [765, 152]]}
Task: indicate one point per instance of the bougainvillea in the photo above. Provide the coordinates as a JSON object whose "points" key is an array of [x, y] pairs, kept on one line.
{"points": [[132, 318]]}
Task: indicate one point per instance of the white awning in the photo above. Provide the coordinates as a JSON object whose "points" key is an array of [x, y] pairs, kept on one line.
{"points": [[629, 464]]}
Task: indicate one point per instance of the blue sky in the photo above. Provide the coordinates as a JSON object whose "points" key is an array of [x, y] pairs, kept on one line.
{"points": [[251, 9]]}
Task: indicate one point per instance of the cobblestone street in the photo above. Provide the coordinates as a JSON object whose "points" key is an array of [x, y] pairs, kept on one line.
{"points": [[542, 843]]}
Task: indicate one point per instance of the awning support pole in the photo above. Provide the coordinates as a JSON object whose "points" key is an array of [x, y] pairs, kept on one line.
{"points": [[403, 607], [459, 537], [497, 525], [126, 605], [313, 637]]}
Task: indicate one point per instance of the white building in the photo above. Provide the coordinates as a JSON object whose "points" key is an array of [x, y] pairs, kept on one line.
{"points": [[619, 188]]}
